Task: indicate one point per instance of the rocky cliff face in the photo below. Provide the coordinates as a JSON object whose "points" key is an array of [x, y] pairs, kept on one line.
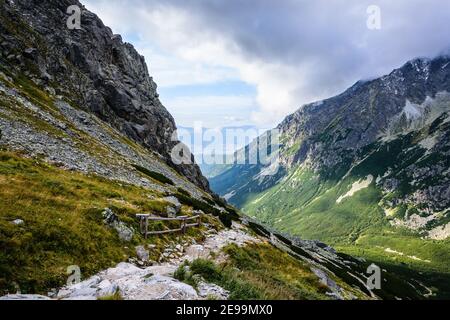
{"points": [[328, 131], [91, 67]]}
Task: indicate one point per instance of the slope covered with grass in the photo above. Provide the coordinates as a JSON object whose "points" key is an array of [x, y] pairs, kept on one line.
{"points": [[354, 213], [63, 223], [261, 271]]}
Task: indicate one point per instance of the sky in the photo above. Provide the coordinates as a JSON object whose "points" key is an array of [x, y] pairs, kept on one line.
{"points": [[222, 63]]}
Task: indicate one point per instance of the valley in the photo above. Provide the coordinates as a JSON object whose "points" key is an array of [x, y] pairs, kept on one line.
{"points": [[373, 186], [86, 148]]}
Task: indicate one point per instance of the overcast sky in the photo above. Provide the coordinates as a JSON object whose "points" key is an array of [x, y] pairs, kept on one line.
{"points": [[230, 62]]}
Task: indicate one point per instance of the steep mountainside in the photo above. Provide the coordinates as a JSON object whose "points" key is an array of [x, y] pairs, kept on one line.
{"points": [[367, 170], [92, 67], [84, 146]]}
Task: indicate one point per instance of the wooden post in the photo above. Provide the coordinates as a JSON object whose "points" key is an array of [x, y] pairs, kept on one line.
{"points": [[199, 220], [183, 225], [146, 227], [141, 224]]}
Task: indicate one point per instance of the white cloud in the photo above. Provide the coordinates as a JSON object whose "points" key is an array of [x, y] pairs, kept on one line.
{"points": [[170, 71], [212, 102], [200, 57], [211, 111], [293, 52]]}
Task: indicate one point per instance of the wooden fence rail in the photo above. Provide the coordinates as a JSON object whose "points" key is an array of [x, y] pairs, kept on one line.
{"points": [[145, 218]]}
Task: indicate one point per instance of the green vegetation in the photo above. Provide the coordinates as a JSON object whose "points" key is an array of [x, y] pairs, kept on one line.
{"points": [[225, 217], [63, 223], [115, 297], [154, 175], [304, 203], [309, 209], [257, 271], [424, 276], [182, 191]]}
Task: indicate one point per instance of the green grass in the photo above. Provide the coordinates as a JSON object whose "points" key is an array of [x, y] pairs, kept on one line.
{"points": [[258, 271], [63, 224], [418, 273], [304, 204]]}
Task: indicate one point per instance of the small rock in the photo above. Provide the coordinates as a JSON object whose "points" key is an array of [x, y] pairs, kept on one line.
{"points": [[175, 206], [111, 219], [142, 253], [30, 53], [106, 288], [171, 212], [18, 222], [125, 233], [210, 290]]}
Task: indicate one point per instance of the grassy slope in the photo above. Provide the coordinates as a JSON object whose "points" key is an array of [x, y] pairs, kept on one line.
{"points": [[63, 223], [261, 271], [62, 210], [361, 230], [304, 204]]}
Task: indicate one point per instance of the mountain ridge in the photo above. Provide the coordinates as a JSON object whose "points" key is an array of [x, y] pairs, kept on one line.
{"points": [[94, 68], [300, 131], [85, 150], [365, 171]]}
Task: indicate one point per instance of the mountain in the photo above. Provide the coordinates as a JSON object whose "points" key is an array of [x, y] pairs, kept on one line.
{"points": [[85, 146], [94, 68], [366, 171], [81, 130]]}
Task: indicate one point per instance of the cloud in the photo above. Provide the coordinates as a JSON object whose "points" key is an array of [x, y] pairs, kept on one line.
{"points": [[170, 71], [292, 51], [212, 102], [212, 111]]}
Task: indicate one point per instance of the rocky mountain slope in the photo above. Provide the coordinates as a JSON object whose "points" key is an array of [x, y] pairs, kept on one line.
{"points": [[93, 68], [367, 170], [85, 146], [236, 264]]}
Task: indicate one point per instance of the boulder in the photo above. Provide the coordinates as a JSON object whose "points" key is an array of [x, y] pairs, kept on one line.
{"points": [[174, 206], [111, 219], [212, 291], [158, 287], [18, 222]]}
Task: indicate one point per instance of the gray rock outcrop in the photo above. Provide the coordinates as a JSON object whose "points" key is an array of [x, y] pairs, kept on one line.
{"points": [[111, 219], [93, 68]]}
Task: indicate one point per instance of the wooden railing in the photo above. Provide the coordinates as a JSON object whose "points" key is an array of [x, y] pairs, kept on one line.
{"points": [[184, 225]]}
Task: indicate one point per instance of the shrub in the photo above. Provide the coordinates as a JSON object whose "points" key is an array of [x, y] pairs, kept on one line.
{"points": [[114, 296], [181, 190], [180, 273], [206, 269], [154, 175]]}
